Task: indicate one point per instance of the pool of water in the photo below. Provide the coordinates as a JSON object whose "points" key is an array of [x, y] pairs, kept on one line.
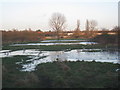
{"points": [[61, 40], [48, 43], [38, 57]]}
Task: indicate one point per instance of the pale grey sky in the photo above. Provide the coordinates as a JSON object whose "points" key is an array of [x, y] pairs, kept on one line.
{"points": [[35, 14]]}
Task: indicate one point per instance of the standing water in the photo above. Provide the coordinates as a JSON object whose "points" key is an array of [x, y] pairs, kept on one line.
{"points": [[38, 57]]}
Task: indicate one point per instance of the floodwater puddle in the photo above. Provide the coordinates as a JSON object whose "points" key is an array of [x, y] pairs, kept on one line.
{"points": [[57, 43], [68, 40], [37, 57]]}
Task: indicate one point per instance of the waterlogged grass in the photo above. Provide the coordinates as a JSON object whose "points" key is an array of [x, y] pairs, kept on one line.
{"points": [[65, 74], [59, 47], [10, 70], [38, 41], [80, 75]]}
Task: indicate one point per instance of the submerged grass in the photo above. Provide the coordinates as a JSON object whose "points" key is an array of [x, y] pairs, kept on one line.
{"points": [[65, 74]]}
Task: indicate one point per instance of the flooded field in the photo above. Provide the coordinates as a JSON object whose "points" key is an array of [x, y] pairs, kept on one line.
{"points": [[37, 57]]}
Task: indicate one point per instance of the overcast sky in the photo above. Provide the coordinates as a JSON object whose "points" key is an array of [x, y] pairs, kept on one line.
{"points": [[35, 14]]}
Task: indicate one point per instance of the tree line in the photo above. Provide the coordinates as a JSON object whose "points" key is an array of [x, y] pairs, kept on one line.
{"points": [[20, 36], [58, 23]]}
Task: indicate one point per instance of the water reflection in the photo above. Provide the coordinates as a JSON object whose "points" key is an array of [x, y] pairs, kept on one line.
{"points": [[59, 55]]}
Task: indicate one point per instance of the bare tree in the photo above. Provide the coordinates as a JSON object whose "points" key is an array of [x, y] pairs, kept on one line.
{"points": [[87, 29], [116, 28], [57, 23], [92, 25], [78, 25], [77, 30], [87, 25]]}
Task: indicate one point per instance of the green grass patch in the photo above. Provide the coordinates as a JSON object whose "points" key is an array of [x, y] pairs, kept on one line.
{"points": [[65, 74], [58, 47]]}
